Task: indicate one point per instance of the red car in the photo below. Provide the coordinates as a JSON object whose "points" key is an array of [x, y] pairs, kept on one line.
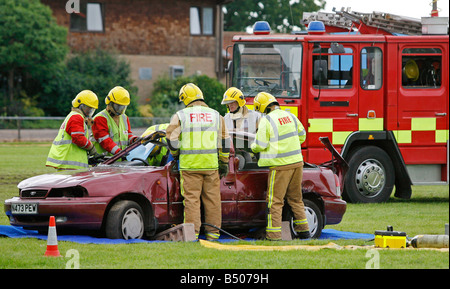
{"points": [[124, 197]]}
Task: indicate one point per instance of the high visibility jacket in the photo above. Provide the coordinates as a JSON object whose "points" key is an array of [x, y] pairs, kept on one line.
{"points": [[64, 154], [155, 160], [279, 139], [198, 138], [119, 134]]}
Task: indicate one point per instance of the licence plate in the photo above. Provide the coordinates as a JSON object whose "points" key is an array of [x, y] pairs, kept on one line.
{"points": [[24, 208]]}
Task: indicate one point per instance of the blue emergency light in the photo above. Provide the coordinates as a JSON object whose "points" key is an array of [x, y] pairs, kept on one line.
{"points": [[261, 27], [316, 27]]}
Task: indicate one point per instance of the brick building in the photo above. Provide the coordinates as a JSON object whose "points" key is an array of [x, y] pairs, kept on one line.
{"points": [[169, 37]]}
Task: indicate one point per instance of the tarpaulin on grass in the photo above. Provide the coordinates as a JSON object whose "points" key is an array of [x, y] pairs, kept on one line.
{"points": [[19, 232]]}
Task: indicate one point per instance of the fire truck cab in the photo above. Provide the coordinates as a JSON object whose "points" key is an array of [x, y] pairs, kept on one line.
{"points": [[382, 99]]}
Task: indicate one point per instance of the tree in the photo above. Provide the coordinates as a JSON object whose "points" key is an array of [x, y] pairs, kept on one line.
{"points": [[98, 71], [164, 101], [282, 15], [31, 43]]}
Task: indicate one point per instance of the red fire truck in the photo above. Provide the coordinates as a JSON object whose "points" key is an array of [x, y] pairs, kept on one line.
{"points": [[379, 93]]}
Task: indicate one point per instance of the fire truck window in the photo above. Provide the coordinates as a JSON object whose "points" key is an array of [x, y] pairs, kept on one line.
{"points": [[332, 70], [371, 68], [268, 67], [421, 68]]}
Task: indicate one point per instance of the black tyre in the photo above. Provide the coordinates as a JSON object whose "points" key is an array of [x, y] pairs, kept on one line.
{"points": [[371, 176], [125, 221], [313, 215]]}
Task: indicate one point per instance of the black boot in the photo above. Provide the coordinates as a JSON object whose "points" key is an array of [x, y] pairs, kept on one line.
{"points": [[303, 235]]}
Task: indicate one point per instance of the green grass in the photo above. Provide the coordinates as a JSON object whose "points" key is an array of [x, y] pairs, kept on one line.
{"points": [[425, 213]]}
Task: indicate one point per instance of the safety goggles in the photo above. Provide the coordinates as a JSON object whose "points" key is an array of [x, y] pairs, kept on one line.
{"points": [[87, 110], [119, 109]]}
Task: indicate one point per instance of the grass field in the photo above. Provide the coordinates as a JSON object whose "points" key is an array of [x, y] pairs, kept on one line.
{"points": [[425, 213]]}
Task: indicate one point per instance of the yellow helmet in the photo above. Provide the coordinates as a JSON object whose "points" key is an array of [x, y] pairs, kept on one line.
{"points": [[118, 95], [189, 93], [262, 101], [233, 94], [86, 97]]}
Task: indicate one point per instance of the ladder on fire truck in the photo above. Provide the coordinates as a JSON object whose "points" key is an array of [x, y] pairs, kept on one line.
{"points": [[346, 20]]}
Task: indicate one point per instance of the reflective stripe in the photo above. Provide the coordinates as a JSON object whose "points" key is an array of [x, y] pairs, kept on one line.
{"points": [[273, 229], [118, 133], [339, 137], [70, 163], [212, 235], [198, 140], [103, 138], [261, 143], [283, 133], [282, 155], [64, 154], [62, 142], [320, 125], [441, 136], [115, 149], [423, 124], [366, 124], [269, 227], [198, 129], [285, 136], [200, 152], [86, 143], [403, 136], [270, 192], [300, 222]]}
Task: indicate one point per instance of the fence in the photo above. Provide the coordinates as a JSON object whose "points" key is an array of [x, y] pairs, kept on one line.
{"points": [[30, 128]]}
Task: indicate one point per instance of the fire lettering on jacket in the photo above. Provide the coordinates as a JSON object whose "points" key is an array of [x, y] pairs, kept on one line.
{"points": [[284, 120], [197, 117]]}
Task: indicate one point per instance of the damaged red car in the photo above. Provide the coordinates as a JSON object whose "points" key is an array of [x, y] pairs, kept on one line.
{"points": [[125, 197]]}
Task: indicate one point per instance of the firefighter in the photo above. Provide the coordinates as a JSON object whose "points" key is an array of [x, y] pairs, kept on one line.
{"points": [[240, 118], [111, 128], [160, 155], [71, 146], [278, 141], [197, 135]]}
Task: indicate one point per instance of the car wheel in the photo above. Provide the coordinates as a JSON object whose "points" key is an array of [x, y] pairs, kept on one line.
{"points": [[125, 221], [313, 215], [371, 176]]}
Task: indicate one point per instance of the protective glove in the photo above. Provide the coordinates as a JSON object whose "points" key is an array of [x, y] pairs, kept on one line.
{"points": [[136, 139], [175, 167], [94, 154], [223, 169]]}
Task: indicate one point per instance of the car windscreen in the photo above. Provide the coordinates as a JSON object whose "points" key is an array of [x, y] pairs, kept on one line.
{"points": [[141, 152]]}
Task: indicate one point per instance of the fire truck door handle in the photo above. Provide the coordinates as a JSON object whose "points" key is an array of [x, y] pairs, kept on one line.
{"points": [[352, 114], [440, 113]]}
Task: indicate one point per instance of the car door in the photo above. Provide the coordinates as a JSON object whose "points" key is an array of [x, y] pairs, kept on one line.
{"points": [[251, 185]]}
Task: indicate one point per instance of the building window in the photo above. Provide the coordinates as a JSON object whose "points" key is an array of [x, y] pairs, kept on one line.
{"points": [[176, 71], [421, 67], [201, 21], [90, 18], [371, 68]]}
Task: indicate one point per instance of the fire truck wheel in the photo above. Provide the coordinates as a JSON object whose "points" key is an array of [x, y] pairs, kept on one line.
{"points": [[371, 176]]}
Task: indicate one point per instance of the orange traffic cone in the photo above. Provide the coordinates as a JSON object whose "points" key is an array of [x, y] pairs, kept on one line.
{"points": [[52, 240]]}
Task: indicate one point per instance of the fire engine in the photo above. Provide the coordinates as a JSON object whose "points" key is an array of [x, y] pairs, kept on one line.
{"points": [[375, 84]]}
